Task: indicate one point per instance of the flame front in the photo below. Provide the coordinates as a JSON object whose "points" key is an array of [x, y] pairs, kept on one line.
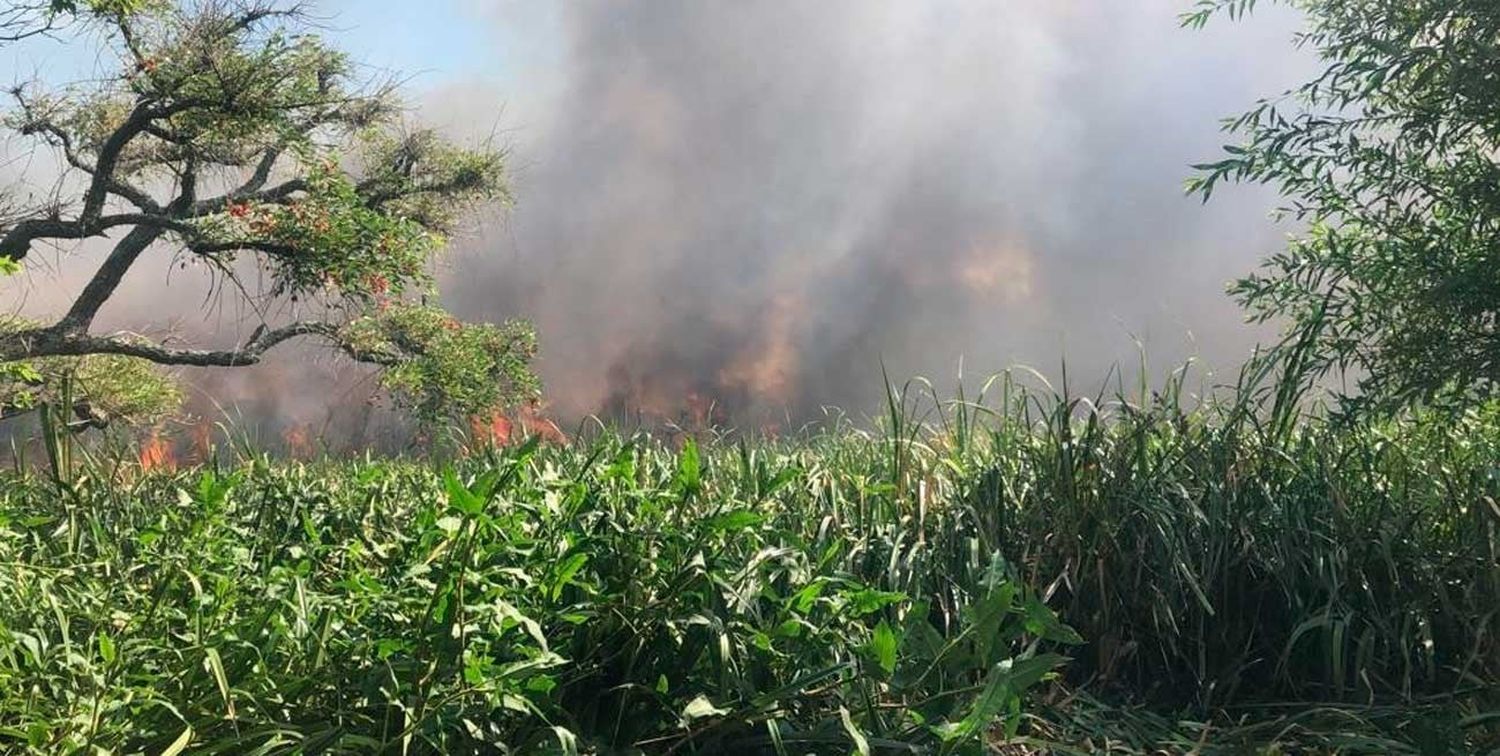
{"points": [[494, 430], [298, 443], [157, 454], [500, 429]]}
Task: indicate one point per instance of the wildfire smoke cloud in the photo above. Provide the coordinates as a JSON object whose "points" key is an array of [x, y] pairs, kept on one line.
{"points": [[753, 205], [728, 209]]}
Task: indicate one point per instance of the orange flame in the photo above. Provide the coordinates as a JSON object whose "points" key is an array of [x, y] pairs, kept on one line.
{"points": [[203, 444], [157, 454], [298, 444], [494, 430], [537, 424], [500, 429]]}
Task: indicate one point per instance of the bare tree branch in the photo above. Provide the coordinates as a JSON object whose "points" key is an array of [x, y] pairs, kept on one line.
{"points": [[239, 245], [37, 123], [17, 241], [55, 342], [249, 193], [25, 20]]}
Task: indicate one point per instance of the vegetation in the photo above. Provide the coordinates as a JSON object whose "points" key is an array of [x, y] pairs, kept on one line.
{"points": [[241, 141], [914, 589], [100, 387], [22, 19], [1388, 158], [1221, 571]]}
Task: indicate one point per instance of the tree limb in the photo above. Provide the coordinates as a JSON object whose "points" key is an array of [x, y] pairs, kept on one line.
{"points": [[57, 342], [36, 124], [249, 193], [17, 241], [108, 278]]}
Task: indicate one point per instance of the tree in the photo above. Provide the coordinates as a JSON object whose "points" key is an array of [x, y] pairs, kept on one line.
{"points": [[21, 20], [242, 142], [1389, 158]]}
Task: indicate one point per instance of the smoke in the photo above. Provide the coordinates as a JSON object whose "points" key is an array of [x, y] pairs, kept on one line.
{"points": [[762, 203], [737, 210]]}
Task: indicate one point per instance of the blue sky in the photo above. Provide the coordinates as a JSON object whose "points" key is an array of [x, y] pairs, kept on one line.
{"points": [[430, 41]]}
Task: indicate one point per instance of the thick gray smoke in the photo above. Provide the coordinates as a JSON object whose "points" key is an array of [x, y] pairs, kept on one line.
{"points": [[758, 203]]}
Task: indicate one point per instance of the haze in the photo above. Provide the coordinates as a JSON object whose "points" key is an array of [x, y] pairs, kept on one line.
{"points": [[759, 204]]}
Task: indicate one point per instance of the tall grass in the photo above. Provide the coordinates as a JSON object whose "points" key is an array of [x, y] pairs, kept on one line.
{"points": [[1243, 551], [1235, 560], [616, 596]]}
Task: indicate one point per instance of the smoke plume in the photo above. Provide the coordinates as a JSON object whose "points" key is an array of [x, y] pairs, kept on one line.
{"points": [[731, 210], [758, 204]]}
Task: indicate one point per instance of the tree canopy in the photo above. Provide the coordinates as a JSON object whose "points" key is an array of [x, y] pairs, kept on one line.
{"points": [[234, 136], [1389, 158]]}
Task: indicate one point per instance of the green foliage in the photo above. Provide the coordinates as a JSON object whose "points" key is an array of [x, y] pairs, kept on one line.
{"points": [[416, 175], [1203, 10], [602, 597], [266, 86], [330, 241], [110, 387], [443, 368], [1389, 158], [1333, 585], [329, 193], [126, 389], [1232, 553]]}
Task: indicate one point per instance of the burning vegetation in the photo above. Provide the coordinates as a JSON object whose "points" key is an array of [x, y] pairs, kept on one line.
{"points": [[157, 453]]}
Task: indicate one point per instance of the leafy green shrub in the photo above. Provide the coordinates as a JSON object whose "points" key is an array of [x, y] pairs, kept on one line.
{"points": [[593, 599], [830, 593]]}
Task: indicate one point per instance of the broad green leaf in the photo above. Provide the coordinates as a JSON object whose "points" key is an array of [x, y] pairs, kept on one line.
{"points": [[884, 645]]}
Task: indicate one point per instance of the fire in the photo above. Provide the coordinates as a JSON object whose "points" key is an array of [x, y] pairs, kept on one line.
{"points": [[157, 454], [492, 431], [202, 436], [500, 429], [767, 370], [298, 444], [537, 424]]}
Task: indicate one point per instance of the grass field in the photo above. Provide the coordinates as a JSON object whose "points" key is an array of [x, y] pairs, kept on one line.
{"points": [[1020, 572]]}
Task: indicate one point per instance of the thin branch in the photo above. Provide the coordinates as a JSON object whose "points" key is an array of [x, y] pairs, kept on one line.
{"points": [[239, 245], [249, 193], [27, 20], [37, 124], [55, 342], [376, 197]]}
